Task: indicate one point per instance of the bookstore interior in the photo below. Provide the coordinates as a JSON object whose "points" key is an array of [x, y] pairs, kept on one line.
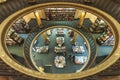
{"points": [[60, 49]]}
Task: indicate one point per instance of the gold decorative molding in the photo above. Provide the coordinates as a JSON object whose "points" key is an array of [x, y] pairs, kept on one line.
{"points": [[6, 24]]}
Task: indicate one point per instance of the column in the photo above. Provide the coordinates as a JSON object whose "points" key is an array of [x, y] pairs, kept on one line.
{"points": [[45, 38], [38, 18], [74, 38], [77, 14], [43, 16], [82, 17]]}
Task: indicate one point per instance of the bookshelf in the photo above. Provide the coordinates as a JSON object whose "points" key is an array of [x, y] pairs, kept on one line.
{"points": [[60, 14], [99, 26], [106, 38], [20, 26], [14, 36]]}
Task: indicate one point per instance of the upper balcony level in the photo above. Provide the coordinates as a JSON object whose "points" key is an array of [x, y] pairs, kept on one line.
{"points": [[37, 38]]}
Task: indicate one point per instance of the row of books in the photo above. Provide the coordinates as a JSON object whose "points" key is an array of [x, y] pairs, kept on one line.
{"points": [[60, 14], [15, 36], [106, 38]]}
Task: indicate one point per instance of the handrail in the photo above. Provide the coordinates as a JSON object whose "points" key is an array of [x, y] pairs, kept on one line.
{"points": [[109, 20], [72, 24], [103, 5], [27, 44], [93, 46]]}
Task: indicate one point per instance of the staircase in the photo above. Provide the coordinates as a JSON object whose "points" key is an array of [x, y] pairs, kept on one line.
{"points": [[84, 31], [11, 6], [72, 24], [27, 45], [92, 42]]}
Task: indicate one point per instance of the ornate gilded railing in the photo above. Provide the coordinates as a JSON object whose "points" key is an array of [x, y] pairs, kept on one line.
{"points": [[115, 54]]}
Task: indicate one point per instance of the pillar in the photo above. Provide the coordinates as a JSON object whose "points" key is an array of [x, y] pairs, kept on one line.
{"points": [[82, 17], [77, 14], [38, 18], [45, 38], [43, 14], [74, 38]]}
